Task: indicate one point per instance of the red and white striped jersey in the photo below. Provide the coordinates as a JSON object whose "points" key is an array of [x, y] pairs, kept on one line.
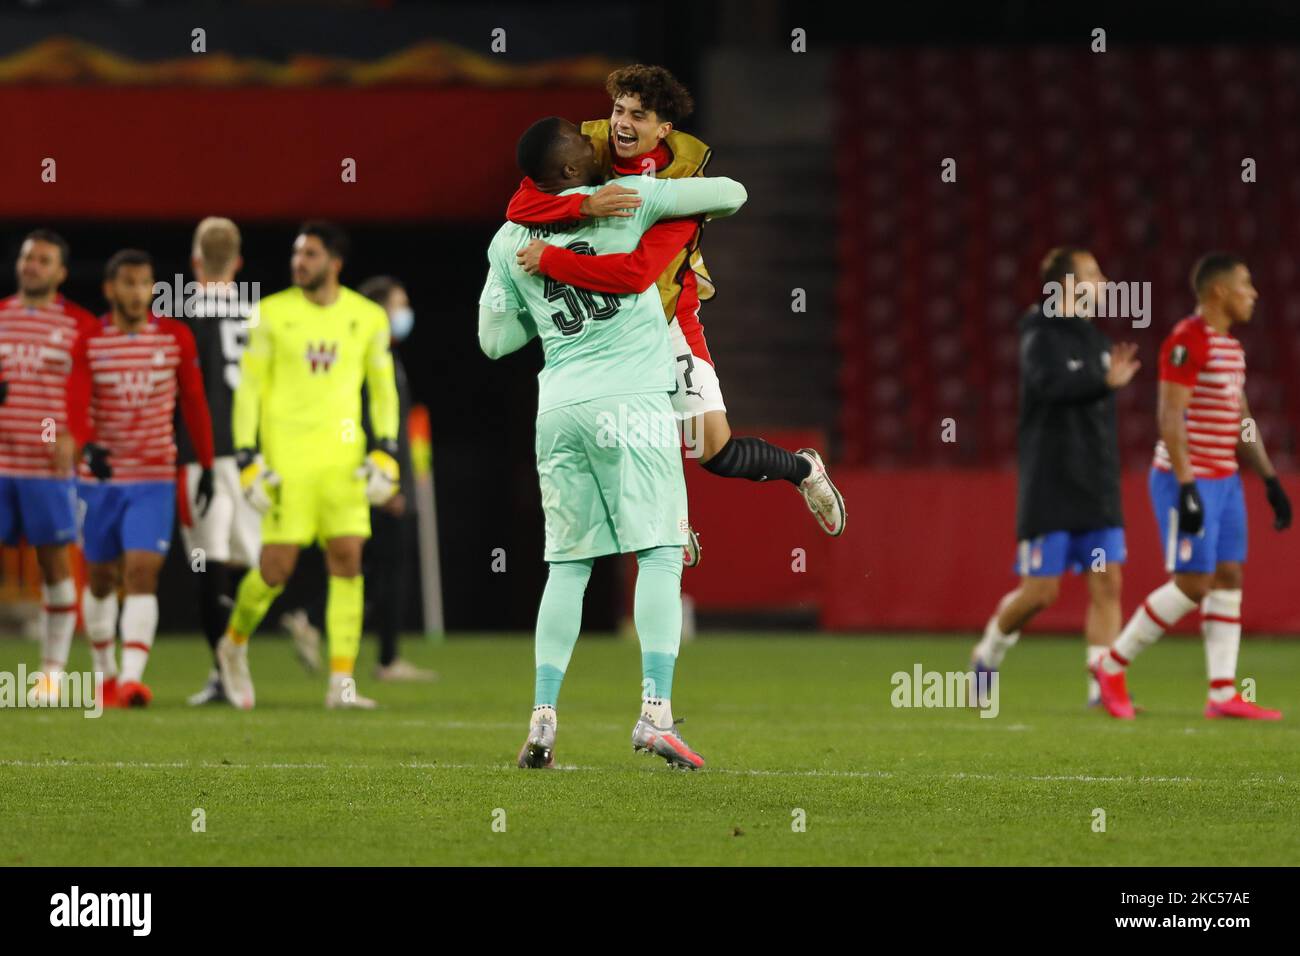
{"points": [[132, 382], [35, 359], [1213, 365]]}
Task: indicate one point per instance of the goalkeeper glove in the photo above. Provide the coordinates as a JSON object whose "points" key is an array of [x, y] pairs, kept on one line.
{"points": [[1279, 502], [381, 473], [204, 491], [96, 459], [1191, 513], [258, 481]]}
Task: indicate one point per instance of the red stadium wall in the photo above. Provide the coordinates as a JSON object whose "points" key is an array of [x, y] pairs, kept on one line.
{"points": [[263, 153], [934, 550]]}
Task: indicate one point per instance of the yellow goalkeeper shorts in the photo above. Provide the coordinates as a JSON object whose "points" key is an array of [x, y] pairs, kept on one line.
{"points": [[310, 507]]}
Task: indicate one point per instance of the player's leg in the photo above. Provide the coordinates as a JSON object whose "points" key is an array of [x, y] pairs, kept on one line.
{"points": [[344, 607], [578, 529], [559, 620], [1040, 562], [206, 539], [1102, 620], [645, 489], [103, 506], [47, 512], [146, 533], [1221, 615], [1190, 559], [259, 587], [1101, 556], [139, 623]]}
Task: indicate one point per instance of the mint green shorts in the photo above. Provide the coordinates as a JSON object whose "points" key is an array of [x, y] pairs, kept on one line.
{"points": [[611, 476]]}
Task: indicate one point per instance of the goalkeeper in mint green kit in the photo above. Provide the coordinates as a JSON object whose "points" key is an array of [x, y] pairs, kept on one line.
{"points": [[608, 450]]}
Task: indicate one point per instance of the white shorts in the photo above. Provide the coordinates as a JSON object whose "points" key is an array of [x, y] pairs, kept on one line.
{"points": [[231, 531], [698, 390]]}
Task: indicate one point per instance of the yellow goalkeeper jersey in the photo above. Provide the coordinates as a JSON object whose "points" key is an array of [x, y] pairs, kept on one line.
{"points": [[299, 394]]}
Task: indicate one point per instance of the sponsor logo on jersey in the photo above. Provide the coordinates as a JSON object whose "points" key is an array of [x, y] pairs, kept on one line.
{"points": [[23, 359], [135, 386], [321, 355]]}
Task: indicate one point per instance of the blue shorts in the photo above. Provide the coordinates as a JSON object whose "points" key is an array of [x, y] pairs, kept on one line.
{"points": [[40, 510], [1049, 555], [135, 516], [1221, 538]]}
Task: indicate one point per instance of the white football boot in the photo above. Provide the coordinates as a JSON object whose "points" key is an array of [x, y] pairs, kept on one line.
{"points": [[822, 497], [538, 751], [342, 694], [232, 665]]}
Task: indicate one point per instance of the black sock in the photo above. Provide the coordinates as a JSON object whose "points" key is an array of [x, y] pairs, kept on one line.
{"points": [[758, 460], [214, 601]]}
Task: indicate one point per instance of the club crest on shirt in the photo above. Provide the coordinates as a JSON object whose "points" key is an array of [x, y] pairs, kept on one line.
{"points": [[321, 355]]}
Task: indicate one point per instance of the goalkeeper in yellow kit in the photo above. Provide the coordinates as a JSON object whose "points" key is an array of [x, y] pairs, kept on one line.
{"points": [[310, 349]]}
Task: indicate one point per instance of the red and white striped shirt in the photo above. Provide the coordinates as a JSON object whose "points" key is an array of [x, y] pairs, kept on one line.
{"points": [[126, 384], [35, 360], [1213, 365]]}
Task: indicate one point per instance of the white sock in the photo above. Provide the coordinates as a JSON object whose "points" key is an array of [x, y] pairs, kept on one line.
{"points": [[1221, 627], [994, 645], [659, 710], [1096, 654], [139, 624], [60, 602], [1163, 608], [100, 615]]}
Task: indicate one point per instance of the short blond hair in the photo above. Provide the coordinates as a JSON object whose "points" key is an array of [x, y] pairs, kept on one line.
{"points": [[216, 245]]}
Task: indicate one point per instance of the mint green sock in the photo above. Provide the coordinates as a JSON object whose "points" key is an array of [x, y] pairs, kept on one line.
{"points": [[657, 610], [559, 619]]}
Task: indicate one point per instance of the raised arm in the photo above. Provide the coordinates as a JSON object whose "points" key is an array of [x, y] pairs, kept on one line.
{"points": [[712, 196]]}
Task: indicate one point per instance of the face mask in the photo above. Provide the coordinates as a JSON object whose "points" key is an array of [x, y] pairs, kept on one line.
{"points": [[402, 321]]}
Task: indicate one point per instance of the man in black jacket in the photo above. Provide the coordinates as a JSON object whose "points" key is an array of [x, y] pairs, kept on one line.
{"points": [[1068, 512]]}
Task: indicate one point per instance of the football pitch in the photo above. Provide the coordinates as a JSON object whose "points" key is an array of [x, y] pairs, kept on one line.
{"points": [[808, 763]]}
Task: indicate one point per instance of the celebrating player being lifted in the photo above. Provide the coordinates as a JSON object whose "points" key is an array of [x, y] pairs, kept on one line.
{"points": [[38, 499], [128, 370], [640, 138], [607, 448], [310, 349], [1205, 426]]}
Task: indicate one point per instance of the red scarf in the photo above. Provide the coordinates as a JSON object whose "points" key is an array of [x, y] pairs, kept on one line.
{"points": [[661, 155]]}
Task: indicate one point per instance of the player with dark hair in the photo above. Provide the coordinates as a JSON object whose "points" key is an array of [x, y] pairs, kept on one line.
{"points": [[1068, 513], [310, 349], [129, 372], [608, 461], [1195, 485], [38, 498], [640, 138]]}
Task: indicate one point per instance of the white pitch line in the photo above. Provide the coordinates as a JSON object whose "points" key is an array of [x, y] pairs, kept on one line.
{"points": [[417, 765]]}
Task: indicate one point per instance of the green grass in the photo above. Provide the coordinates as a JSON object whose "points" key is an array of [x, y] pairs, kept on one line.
{"points": [[786, 722]]}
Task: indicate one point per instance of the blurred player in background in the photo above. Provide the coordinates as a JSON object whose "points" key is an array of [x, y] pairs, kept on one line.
{"points": [[608, 371], [392, 528], [311, 348], [228, 533], [639, 138], [1205, 427], [38, 497], [1068, 512], [128, 372]]}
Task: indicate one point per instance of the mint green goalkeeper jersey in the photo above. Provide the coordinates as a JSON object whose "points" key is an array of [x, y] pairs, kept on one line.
{"points": [[598, 344]]}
